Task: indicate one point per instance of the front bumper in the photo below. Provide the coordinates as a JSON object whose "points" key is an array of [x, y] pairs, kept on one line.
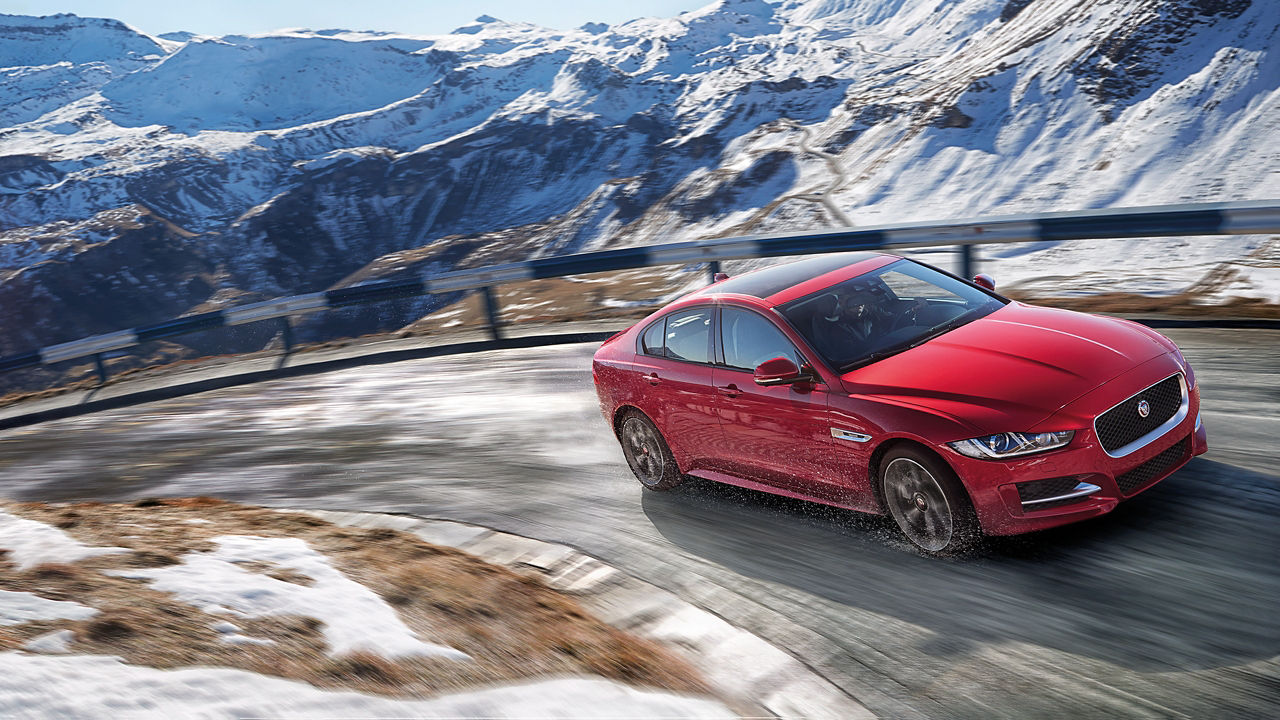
{"points": [[1086, 480]]}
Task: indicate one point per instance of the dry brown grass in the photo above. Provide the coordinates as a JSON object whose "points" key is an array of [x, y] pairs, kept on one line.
{"points": [[1187, 305], [512, 625], [552, 300]]}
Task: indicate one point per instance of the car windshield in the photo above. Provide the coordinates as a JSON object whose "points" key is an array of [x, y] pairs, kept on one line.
{"points": [[884, 312]]}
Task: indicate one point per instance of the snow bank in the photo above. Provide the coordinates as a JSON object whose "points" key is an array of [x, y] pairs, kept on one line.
{"points": [[354, 617], [17, 608], [32, 543], [58, 641], [94, 687]]}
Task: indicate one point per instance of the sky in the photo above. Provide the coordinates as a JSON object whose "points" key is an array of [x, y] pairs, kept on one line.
{"points": [[416, 17]]}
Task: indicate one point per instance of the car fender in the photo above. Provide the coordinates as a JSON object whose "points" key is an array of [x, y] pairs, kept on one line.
{"points": [[884, 421]]}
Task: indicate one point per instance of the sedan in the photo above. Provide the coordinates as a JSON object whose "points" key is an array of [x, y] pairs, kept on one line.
{"points": [[880, 384]]}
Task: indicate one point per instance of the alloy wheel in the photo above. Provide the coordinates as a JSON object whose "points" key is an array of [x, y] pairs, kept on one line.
{"points": [[918, 504], [644, 450]]}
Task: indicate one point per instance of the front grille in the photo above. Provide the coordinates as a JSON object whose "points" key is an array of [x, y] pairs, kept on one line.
{"points": [[1040, 489], [1154, 468], [1122, 424]]}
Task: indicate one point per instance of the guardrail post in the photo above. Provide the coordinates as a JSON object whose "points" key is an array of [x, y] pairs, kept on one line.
{"points": [[101, 368], [491, 312], [968, 263], [713, 267], [286, 334]]}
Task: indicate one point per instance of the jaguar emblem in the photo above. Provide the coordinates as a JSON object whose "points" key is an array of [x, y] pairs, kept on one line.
{"points": [[1144, 408]]}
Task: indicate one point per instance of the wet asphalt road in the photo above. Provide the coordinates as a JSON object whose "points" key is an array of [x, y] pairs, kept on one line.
{"points": [[1165, 608]]}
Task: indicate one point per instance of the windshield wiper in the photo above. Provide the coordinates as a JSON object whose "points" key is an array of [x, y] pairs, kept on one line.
{"points": [[934, 332], [944, 328], [877, 355]]}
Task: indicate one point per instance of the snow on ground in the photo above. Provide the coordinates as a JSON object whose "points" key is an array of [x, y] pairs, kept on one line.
{"points": [[56, 642], [355, 618], [1147, 266], [96, 687], [230, 634], [43, 680], [23, 607], [31, 543], [1249, 281]]}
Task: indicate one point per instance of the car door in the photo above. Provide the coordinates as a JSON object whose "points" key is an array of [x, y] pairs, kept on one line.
{"points": [[674, 361], [779, 435]]}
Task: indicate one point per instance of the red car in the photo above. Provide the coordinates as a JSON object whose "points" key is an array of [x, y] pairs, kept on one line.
{"points": [[880, 384]]}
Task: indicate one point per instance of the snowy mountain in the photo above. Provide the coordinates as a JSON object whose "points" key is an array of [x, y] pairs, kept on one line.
{"points": [[144, 177]]}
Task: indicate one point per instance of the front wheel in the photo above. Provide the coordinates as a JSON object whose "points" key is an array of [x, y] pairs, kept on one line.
{"points": [[647, 453], [928, 502]]}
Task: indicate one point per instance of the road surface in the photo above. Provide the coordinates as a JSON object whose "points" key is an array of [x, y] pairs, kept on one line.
{"points": [[1165, 608]]}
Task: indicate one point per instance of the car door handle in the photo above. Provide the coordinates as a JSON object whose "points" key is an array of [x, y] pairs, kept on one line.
{"points": [[729, 390], [653, 378]]}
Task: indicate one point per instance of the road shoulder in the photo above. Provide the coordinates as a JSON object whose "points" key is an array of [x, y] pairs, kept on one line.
{"points": [[738, 664]]}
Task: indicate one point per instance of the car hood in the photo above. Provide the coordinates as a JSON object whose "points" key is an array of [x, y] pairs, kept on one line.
{"points": [[1009, 370]]}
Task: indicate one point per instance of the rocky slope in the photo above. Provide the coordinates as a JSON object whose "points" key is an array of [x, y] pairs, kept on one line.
{"points": [[144, 177]]}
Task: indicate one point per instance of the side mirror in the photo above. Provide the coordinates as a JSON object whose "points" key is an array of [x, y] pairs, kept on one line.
{"points": [[780, 371], [719, 276], [985, 281]]}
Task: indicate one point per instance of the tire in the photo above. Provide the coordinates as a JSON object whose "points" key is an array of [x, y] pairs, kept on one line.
{"points": [[647, 453], [928, 502]]}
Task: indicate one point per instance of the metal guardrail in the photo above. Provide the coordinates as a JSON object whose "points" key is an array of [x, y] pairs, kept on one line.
{"points": [[1238, 218]]}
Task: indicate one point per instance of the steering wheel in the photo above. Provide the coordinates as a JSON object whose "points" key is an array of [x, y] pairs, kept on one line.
{"points": [[909, 316]]}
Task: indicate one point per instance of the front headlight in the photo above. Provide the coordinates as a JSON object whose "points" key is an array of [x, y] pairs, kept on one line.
{"points": [[1011, 444]]}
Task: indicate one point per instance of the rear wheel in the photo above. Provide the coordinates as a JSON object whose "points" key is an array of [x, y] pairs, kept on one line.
{"points": [[928, 502], [647, 453]]}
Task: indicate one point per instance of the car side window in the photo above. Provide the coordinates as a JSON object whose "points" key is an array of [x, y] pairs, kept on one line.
{"points": [[750, 339], [688, 335], [651, 343]]}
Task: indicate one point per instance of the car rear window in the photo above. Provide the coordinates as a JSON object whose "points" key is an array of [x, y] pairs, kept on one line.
{"points": [[651, 343]]}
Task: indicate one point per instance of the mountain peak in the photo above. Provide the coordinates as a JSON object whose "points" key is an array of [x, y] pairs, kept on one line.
{"points": [[28, 40], [482, 23], [758, 8]]}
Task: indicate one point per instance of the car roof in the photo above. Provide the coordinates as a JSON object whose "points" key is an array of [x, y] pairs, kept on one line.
{"points": [[779, 284]]}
